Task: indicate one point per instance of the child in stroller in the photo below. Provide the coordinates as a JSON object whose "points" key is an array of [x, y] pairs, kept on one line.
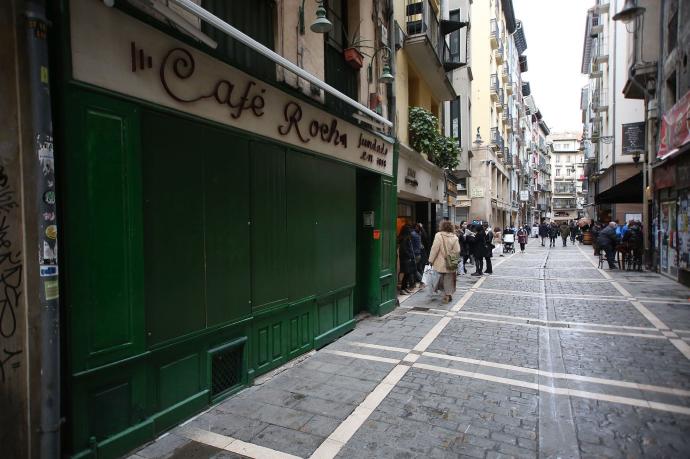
{"points": [[508, 242]]}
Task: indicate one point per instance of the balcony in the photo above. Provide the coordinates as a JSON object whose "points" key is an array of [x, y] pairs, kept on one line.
{"points": [[426, 47], [597, 26], [494, 34], [494, 87], [496, 139], [499, 54], [595, 71], [510, 164], [600, 100], [510, 86], [602, 6], [601, 50], [500, 103], [505, 75]]}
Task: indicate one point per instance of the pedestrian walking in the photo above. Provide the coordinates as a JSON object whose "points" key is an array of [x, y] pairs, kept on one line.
{"points": [[467, 247], [498, 237], [444, 256], [479, 249], [522, 237], [543, 232], [407, 261], [419, 263], [565, 233], [573, 231], [553, 234], [490, 249], [608, 240]]}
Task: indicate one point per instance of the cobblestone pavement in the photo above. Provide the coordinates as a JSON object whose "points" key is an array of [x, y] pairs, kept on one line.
{"points": [[549, 357]]}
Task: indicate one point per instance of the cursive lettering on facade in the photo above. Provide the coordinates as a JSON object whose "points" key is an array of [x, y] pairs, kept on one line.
{"points": [[373, 145], [327, 132], [179, 64]]}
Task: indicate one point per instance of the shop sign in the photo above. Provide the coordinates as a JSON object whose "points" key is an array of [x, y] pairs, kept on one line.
{"points": [[633, 138], [524, 195], [147, 64], [452, 188], [675, 128], [411, 177]]}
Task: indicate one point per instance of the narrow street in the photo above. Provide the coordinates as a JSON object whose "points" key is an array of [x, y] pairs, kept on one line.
{"points": [[549, 357]]}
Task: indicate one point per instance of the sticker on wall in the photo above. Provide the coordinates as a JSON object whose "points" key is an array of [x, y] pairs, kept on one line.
{"points": [[49, 216], [48, 270], [51, 232], [49, 197], [49, 254], [52, 289]]}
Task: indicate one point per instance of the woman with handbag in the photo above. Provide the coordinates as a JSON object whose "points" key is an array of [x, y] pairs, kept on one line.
{"points": [[444, 257]]}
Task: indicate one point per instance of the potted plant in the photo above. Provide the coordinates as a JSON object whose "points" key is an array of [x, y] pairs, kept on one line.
{"points": [[353, 53]]}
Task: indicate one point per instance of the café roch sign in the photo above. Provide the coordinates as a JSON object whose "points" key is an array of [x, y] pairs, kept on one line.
{"points": [[145, 63]]}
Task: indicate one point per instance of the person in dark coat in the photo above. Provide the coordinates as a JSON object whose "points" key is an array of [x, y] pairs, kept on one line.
{"points": [[607, 242], [522, 237], [407, 261], [479, 249], [565, 232], [543, 232], [596, 229], [573, 232], [634, 238], [553, 234]]}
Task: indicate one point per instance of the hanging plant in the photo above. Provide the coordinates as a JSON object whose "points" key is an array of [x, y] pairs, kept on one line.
{"points": [[426, 138], [423, 130]]}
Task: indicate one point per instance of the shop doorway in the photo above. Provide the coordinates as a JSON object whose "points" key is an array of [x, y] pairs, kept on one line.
{"points": [[376, 241]]}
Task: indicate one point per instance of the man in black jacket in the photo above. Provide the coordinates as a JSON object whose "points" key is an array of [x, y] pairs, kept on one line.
{"points": [[607, 241], [543, 232]]}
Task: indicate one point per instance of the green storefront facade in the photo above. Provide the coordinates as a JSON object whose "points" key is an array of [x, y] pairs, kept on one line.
{"points": [[210, 232]]}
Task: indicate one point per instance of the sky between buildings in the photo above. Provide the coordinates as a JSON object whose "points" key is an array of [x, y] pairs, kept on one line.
{"points": [[555, 30]]}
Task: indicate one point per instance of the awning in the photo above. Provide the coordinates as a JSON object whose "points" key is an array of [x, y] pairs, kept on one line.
{"points": [[627, 192]]}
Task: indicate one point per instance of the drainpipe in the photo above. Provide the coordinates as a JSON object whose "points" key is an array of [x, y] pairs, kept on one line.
{"points": [[43, 169]]}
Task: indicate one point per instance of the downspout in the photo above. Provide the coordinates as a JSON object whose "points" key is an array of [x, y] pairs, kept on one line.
{"points": [[42, 136], [613, 143]]}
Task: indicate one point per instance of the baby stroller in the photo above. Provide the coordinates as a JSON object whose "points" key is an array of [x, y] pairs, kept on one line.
{"points": [[509, 243]]}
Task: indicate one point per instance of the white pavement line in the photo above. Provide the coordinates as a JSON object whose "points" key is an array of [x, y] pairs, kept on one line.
{"points": [[595, 264], [578, 330], [432, 335], [649, 315], [461, 302], [378, 346], [423, 313], [568, 376], [551, 295], [682, 346], [559, 391], [355, 355], [621, 289], [344, 432], [558, 322], [232, 444]]}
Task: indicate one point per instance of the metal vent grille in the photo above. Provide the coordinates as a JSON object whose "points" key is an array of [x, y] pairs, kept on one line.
{"points": [[226, 369]]}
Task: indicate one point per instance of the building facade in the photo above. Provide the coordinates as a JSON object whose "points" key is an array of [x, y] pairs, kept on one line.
{"points": [[422, 64], [216, 214], [609, 117], [567, 172]]}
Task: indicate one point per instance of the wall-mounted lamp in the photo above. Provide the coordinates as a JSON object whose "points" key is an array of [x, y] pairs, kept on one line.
{"points": [[320, 25], [629, 14], [386, 75]]}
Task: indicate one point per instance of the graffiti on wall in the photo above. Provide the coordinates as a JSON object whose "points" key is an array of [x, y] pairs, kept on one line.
{"points": [[10, 279]]}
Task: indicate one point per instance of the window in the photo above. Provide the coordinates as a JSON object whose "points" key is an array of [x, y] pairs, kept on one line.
{"points": [[558, 159], [567, 159], [455, 118], [253, 17], [671, 90], [454, 40], [462, 186], [558, 172]]}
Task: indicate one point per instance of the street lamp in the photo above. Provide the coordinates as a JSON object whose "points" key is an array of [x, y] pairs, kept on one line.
{"points": [[629, 13], [320, 25]]}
